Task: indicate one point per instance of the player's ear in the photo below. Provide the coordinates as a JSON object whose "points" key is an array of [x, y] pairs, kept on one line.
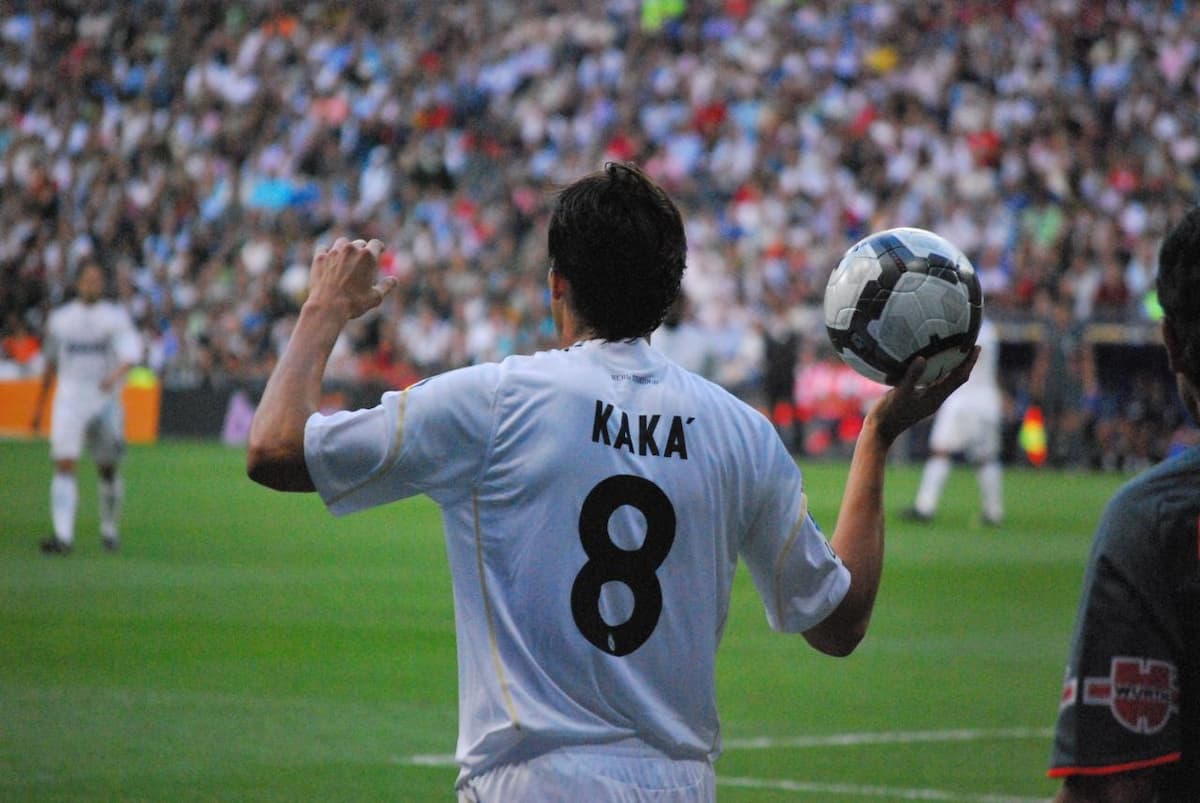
{"points": [[1174, 347], [559, 286]]}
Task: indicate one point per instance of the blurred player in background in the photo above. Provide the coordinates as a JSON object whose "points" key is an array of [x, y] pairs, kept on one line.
{"points": [[91, 344], [969, 424], [595, 498], [1062, 380], [1129, 716]]}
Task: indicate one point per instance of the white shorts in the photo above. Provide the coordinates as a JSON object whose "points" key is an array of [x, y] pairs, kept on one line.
{"points": [[595, 775], [968, 423], [94, 421]]}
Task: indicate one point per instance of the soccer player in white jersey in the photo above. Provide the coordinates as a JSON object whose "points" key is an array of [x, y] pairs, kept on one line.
{"points": [[596, 499], [91, 344], [968, 424]]}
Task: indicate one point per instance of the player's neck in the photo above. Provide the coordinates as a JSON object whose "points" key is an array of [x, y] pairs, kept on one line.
{"points": [[573, 331]]}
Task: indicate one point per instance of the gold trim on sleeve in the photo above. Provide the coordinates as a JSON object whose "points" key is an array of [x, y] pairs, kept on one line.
{"points": [[491, 624], [783, 553]]}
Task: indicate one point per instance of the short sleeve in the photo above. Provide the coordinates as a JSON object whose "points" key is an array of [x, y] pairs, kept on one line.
{"points": [[798, 577], [432, 438], [1120, 700]]}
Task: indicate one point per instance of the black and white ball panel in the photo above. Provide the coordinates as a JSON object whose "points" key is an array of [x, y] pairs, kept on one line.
{"points": [[900, 294]]}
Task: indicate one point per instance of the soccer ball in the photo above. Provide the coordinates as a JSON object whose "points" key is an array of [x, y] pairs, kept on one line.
{"points": [[898, 295]]}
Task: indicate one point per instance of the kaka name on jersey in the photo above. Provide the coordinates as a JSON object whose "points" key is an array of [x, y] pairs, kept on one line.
{"points": [[87, 347], [645, 434]]}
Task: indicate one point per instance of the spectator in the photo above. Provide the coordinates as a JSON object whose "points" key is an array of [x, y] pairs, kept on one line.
{"points": [[171, 136], [1111, 299]]}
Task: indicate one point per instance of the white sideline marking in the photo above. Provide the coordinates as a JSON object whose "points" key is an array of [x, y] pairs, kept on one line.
{"points": [[889, 792], [843, 740], [428, 760], [894, 737], [828, 740]]}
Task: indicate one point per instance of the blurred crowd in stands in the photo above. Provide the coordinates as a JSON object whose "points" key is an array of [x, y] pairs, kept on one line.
{"points": [[199, 151]]}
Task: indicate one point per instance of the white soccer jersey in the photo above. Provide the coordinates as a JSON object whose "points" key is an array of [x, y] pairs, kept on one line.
{"points": [[595, 502], [969, 420], [984, 376], [87, 342]]}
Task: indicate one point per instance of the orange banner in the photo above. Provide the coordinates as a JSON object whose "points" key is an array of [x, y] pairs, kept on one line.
{"points": [[18, 397]]}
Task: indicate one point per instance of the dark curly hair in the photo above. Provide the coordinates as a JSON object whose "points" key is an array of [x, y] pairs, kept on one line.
{"points": [[1179, 287], [619, 240]]}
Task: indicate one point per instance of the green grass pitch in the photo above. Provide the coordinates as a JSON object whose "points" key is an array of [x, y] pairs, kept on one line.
{"points": [[246, 646]]}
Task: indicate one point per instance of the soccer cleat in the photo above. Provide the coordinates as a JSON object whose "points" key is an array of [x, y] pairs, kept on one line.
{"points": [[111, 544], [992, 521], [912, 514], [52, 546]]}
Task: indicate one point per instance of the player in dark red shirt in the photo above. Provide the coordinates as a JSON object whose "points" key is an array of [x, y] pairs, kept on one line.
{"points": [[1129, 720]]}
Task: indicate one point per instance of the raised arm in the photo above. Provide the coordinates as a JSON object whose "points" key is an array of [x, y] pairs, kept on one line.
{"points": [[858, 535], [342, 287]]}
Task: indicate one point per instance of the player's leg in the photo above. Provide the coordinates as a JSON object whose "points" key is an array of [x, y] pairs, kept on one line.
{"points": [[988, 472], [945, 438], [112, 498], [66, 444], [107, 442], [990, 476], [64, 499], [933, 480]]}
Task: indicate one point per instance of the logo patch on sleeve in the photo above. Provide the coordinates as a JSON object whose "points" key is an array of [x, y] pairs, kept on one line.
{"points": [[1142, 693], [1070, 693]]}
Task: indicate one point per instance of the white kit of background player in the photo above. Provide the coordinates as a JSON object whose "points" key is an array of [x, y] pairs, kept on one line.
{"points": [[90, 346]]}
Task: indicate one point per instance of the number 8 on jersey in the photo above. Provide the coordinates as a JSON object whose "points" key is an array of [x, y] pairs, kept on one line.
{"points": [[608, 562]]}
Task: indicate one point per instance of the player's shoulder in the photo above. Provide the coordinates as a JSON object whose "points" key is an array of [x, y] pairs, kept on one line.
{"points": [[488, 375], [740, 424], [554, 362], [66, 308], [1159, 499], [66, 314], [1173, 477], [477, 378], [113, 309], [539, 371]]}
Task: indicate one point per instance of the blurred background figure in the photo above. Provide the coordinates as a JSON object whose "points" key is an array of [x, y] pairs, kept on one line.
{"points": [[968, 424], [91, 346], [1062, 380], [684, 341]]}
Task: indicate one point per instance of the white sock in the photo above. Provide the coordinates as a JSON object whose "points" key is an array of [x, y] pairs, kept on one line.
{"points": [[64, 496], [991, 489], [933, 478], [112, 496]]}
